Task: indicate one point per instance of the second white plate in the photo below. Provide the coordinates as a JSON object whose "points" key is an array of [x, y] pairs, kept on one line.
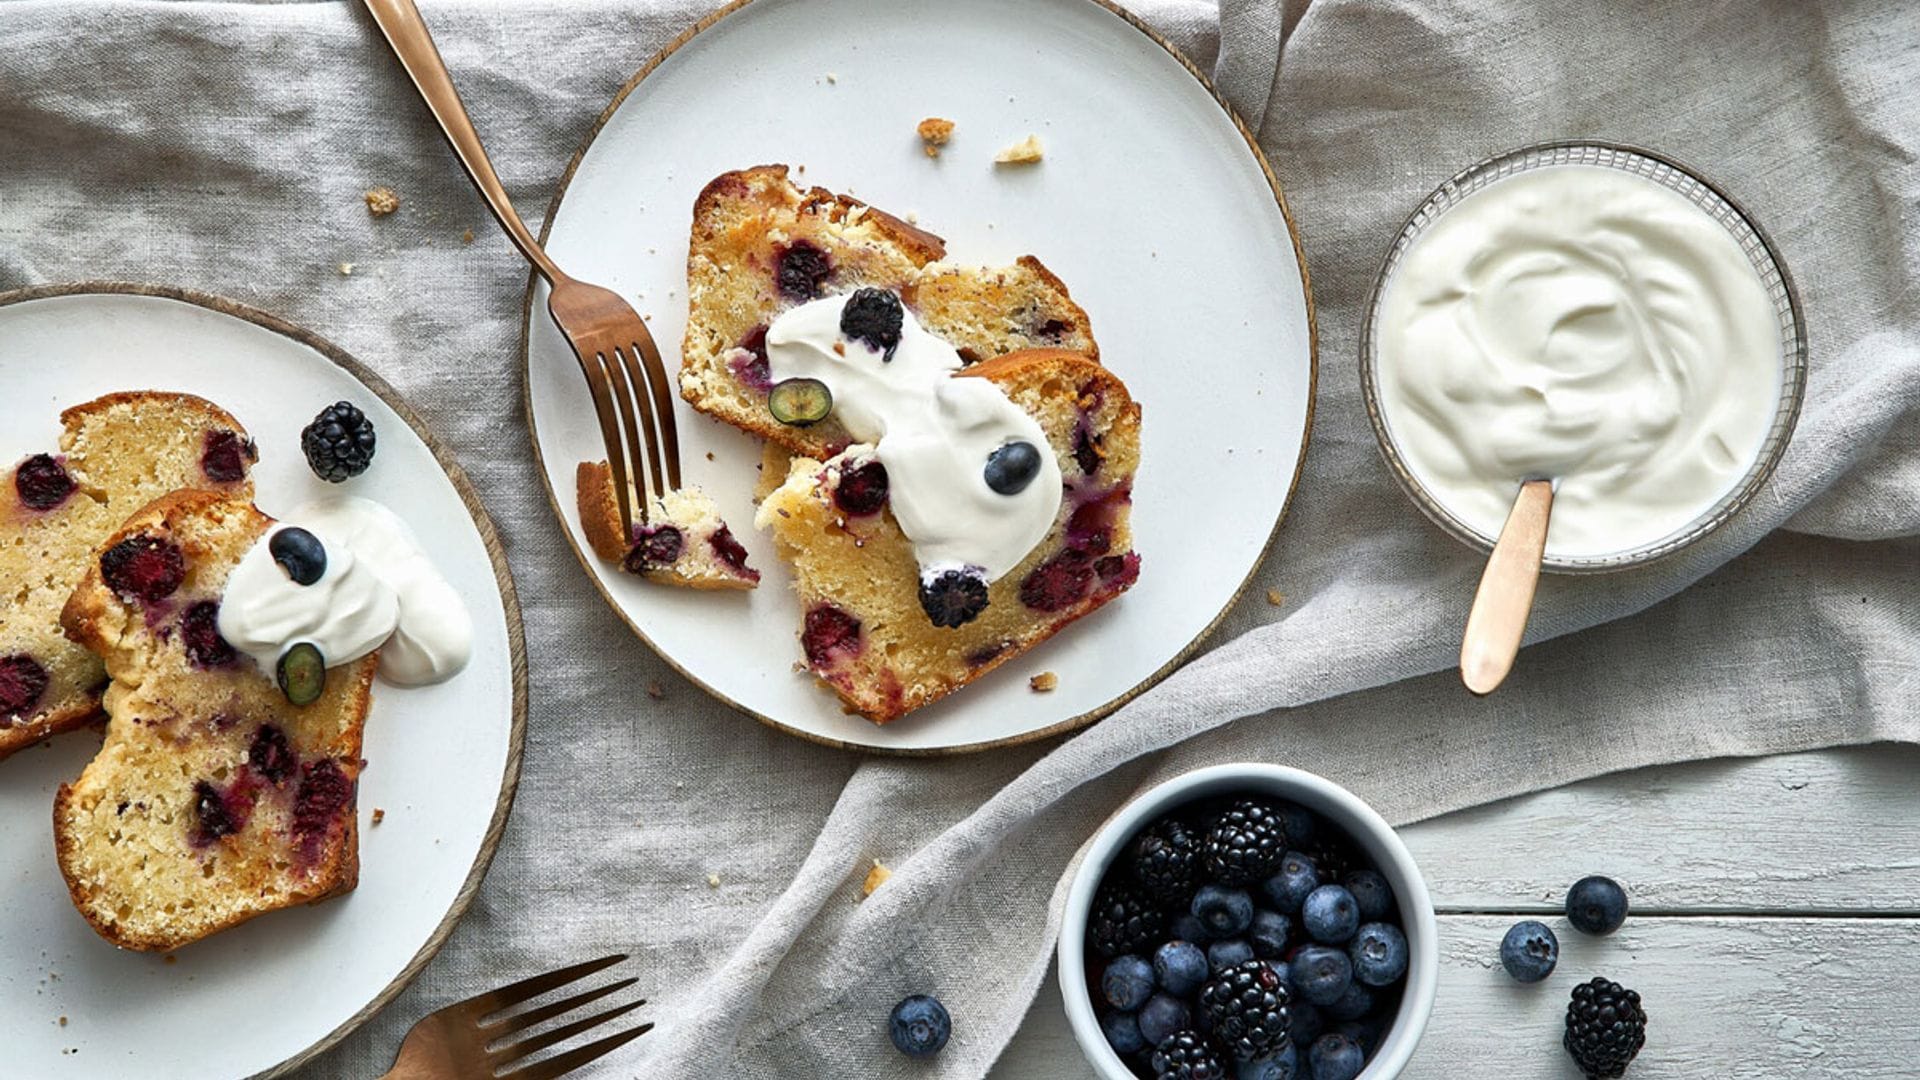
{"points": [[1151, 205]]}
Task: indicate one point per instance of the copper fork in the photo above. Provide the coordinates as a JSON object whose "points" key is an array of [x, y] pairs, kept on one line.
{"points": [[616, 353], [452, 1044]]}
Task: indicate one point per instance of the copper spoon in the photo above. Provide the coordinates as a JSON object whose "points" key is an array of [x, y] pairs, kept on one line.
{"points": [[1500, 608]]}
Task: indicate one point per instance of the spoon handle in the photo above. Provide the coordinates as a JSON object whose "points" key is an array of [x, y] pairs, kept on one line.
{"points": [[1505, 599]]}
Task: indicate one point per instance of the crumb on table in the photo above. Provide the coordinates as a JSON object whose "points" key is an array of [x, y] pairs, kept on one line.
{"points": [[876, 877], [1043, 682], [934, 134], [379, 815], [382, 201], [1025, 152]]}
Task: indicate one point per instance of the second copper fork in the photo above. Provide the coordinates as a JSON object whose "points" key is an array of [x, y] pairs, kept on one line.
{"points": [[631, 395]]}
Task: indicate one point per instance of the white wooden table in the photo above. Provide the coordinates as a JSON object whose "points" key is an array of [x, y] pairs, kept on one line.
{"points": [[1775, 925]]}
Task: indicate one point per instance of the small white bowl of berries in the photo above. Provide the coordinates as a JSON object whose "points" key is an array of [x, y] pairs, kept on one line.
{"points": [[1248, 922]]}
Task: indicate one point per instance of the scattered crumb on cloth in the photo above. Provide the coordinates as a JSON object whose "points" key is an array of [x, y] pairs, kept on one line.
{"points": [[1025, 152], [382, 201], [1276, 597], [876, 877]]}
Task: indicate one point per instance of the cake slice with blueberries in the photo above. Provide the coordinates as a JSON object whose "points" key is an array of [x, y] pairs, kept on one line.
{"points": [[116, 454], [979, 509], [224, 790]]}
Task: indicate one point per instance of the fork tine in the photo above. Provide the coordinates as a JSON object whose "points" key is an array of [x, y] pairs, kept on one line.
{"points": [[515, 993], [652, 437], [525, 1020], [663, 405], [610, 433], [639, 440], [562, 1064], [534, 1044]]}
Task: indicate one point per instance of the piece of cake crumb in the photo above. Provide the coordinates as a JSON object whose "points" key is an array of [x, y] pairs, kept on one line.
{"points": [[379, 815], [876, 877], [346, 269], [1276, 597], [382, 201], [934, 134], [467, 237], [656, 691], [1043, 682], [63, 1021], [170, 959], [1025, 152], [713, 881], [832, 78]]}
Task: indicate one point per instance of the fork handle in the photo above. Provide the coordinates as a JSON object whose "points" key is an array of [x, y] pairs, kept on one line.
{"points": [[406, 31]]}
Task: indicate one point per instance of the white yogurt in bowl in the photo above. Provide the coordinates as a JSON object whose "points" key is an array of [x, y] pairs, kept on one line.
{"points": [[1592, 316]]}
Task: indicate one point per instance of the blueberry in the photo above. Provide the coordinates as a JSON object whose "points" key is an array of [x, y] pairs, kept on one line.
{"points": [[1596, 905], [1305, 1022], [1529, 951], [1225, 912], [1185, 927], [1320, 974], [919, 1026], [1379, 954], [1352, 1005], [1371, 891], [1123, 1032], [875, 317], [1127, 983], [1283, 1065], [800, 402], [1160, 1017], [1226, 954], [1330, 915], [1012, 467], [1179, 967], [1336, 1057], [1288, 889], [1364, 1033], [1269, 933], [299, 553], [302, 673]]}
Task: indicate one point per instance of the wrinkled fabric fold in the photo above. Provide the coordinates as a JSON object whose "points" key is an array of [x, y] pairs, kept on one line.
{"points": [[224, 147]]}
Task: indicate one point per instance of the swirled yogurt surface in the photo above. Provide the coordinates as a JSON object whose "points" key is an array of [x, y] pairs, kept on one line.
{"points": [[379, 591], [1588, 326], [933, 432]]}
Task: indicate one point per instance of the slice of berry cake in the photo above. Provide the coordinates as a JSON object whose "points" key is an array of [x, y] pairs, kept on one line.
{"points": [[214, 798], [890, 637], [684, 541], [761, 245], [116, 454]]}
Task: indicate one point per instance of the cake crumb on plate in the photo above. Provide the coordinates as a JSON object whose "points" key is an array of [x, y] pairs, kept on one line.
{"points": [[934, 133], [379, 815], [1043, 682], [1025, 152]]}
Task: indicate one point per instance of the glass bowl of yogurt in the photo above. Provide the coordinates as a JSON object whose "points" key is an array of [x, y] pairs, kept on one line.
{"points": [[1591, 314]]}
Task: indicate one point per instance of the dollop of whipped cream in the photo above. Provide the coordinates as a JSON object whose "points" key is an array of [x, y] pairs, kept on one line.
{"points": [[932, 431], [1588, 326], [379, 591]]}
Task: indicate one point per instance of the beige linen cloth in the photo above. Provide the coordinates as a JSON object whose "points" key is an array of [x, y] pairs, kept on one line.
{"points": [[224, 146]]}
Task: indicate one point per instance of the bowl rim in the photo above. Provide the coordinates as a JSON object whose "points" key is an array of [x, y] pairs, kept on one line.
{"points": [[1317, 793], [1655, 166]]}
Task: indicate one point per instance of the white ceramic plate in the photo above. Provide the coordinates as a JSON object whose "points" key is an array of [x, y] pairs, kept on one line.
{"points": [[442, 760], [1151, 205]]}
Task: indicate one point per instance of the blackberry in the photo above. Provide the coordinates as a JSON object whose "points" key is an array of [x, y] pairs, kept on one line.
{"points": [[829, 633], [1184, 1055], [655, 546], [22, 683], [143, 568], [271, 755], [862, 490], [1245, 845], [42, 482], [224, 456], [1124, 920], [200, 635], [954, 598], [875, 317], [1247, 1004], [1059, 583], [215, 819], [324, 792], [1605, 1028], [801, 270], [1333, 857], [1165, 860], [339, 442]]}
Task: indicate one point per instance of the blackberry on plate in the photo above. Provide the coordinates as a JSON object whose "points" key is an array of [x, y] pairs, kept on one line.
{"points": [[1334, 1056], [1179, 967], [1161, 1016], [1379, 954], [1123, 920], [339, 443], [1247, 1005], [1596, 905], [1605, 1028], [1245, 844], [1224, 912], [1529, 951], [1287, 889], [919, 1026], [1165, 860], [1127, 983], [1184, 1055]]}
